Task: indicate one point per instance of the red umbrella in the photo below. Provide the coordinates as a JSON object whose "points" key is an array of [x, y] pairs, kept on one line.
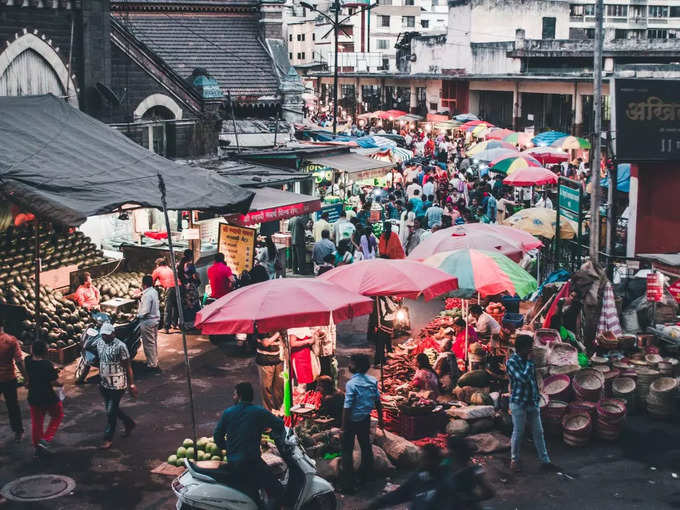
{"points": [[472, 123], [530, 176], [386, 277], [457, 238], [498, 134], [281, 304], [391, 114], [547, 155]]}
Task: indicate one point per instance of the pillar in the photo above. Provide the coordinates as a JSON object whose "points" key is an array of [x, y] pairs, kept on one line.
{"points": [[578, 114], [516, 107], [413, 103]]}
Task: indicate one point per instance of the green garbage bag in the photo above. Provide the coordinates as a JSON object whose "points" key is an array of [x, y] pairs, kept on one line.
{"points": [[582, 359]]}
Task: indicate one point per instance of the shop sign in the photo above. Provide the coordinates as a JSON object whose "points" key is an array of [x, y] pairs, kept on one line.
{"points": [[190, 234], [570, 202], [647, 120], [275, 213], [238, 246], [333, 211], [654, 287]]}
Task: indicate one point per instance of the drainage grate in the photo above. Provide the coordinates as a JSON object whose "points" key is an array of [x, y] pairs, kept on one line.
{"points": [[38, 488]]}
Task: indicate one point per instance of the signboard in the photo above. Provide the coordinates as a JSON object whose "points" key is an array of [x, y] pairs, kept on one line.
{"points": [[275, 213], [647, 120], [238, 245], [569, 199], [654, 287], [333, 211], [189, 234]]}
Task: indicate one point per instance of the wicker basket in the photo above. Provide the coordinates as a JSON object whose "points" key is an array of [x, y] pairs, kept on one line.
{"points": [[607, 341], [558, 387], [577, 429], [653, 359], [588, 385]]}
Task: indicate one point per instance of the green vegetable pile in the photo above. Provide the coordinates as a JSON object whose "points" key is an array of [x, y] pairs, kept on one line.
{"points": [[205, 449]]}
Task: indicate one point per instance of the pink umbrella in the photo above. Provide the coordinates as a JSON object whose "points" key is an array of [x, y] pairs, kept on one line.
{"points": [[457, 238], [385, 277], [547, 155], [281, 304], [530, 176], [498, 134], [514, 235], [391, 114]]}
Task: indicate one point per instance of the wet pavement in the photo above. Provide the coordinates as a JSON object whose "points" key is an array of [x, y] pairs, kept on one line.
{"points": [[639, 472]]}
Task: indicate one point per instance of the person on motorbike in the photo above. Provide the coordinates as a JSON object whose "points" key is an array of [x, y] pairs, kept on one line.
{"points": [[243, 424]]}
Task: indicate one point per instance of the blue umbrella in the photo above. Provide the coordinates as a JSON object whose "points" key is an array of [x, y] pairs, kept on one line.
{"points": [[465, 117], [622, 178], [547, 138]]}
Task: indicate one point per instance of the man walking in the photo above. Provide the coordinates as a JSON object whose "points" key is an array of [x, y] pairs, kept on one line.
{"points": [[298, 240], [10, 353], [149, 317], [115, 376], [361, 397], [243, 425], [268, 358], [524, 398], [164, 275]]}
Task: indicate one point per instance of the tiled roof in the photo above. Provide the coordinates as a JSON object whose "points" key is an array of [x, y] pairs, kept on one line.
{"points": [[227, 45]]}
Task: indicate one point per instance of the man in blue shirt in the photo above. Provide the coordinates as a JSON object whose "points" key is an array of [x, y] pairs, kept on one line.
{"points": [[243, 424], [361, 397], [524, 402], [417, 203]]}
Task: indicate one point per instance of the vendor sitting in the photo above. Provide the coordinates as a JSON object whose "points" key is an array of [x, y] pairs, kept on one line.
{"points": [[332, 400], [485, 325], [86, 295], [458, 344], [425, 378]]}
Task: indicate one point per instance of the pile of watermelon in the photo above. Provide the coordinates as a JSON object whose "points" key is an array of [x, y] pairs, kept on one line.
{"points": [[205, 449]]}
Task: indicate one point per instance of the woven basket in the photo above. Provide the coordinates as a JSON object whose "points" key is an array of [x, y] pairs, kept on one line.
{"points": [[564, 369], [558, 387], [546, 336], [653, 359], [607, 340], [577, 429], [622, 365], [599, 360], [623, 386], [611, 409], [663, 385], [603, 369]]}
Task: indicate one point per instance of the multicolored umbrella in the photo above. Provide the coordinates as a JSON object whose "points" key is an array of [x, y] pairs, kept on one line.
{"points": [[539, 221], [498, 133], [489, 144], [484, 272], [518, 237], [456, 238], [510, 163], [571, 143], [480, 130], [530, 176], [547, 137], [547, 155], [465, 117], [472, 123], [518, 138], [385, 277], [494, 154]]}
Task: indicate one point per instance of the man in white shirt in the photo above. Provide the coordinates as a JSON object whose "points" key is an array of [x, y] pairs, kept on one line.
{"points": [[485, 325], [544, 201], [428, 187], [320, 225], [343, 228], [412, 187], [149, 317]]}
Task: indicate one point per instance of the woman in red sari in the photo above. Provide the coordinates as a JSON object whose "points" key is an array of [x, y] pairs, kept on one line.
{"points": [[458, 347], [301, 340]]}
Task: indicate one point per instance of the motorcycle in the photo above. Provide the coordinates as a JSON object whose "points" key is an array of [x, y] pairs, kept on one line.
{"points": [[221, 489], [129, 333]]}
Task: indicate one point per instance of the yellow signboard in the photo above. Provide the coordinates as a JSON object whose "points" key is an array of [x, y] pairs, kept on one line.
{"points": [[238, 246]]}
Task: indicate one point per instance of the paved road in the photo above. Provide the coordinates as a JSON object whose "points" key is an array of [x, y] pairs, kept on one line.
{"points": [[601, 476]]}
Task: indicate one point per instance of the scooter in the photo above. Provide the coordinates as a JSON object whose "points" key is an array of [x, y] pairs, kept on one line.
{"points": [[219, 489], [129, 333]]}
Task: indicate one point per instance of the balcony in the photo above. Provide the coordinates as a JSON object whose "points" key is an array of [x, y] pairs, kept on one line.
{"points": [[639, 22]]}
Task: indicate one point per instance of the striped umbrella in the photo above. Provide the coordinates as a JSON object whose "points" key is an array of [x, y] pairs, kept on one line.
{"points": [[571, 143], [485, 273], [493, 154], [518, 138], [547, 137], [489, 144], [508, 164], [547, 155], [498, 133]]}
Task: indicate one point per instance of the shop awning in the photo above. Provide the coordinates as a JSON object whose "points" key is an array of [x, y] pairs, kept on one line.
{"points": [[272, 204], [63, 165], [357, 166]]}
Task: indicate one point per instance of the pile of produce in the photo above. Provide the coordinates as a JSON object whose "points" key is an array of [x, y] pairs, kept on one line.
{"points": [[205, 449], [61, 320], [57, 249], [124, 285]]}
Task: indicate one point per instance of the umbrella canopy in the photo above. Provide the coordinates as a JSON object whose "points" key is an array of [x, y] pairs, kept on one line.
{"points": [[547, 137], [547, 155], [571, 143], [471, 124], [370, 115], [510, 163], [530, 176], [518, 137], [489, 144], [540, 221], [465, 117], [498, 133], [456, 238], [280, 304], [391, 114], [494, 154], [385, 277], [484, 272], [519, 237], [481, 130]]}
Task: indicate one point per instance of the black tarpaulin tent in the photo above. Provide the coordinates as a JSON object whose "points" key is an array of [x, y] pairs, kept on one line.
{"points": [[63, 165]]}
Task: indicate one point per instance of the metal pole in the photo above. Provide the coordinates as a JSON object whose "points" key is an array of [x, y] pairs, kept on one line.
{"points": [[580, 227], [611, 193], [233, 120], [276, 129], [597, 133], [335, 70], [37, 264], [187, 365]]}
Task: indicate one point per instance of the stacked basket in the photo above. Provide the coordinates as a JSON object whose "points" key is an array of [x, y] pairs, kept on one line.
{"points": [[665, 369], [611, 414], [675, 364], [577, 429], [623, 388], [557, 387], [583, 406], [660, 397], [588, 385], [609, 379], [645, 377], [551, 416]]}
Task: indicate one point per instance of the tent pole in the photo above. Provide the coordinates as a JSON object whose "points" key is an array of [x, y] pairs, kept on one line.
{"points": [[37, 264], [465, 316], [173, 263]]}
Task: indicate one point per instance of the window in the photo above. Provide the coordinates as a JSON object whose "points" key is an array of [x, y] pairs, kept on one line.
{"points": [[658, 11], [617, 11], [408, 21], [409, 2], [638, 11], [657, 33], [383, 21], [549, 28], [302, 36], [425, 23], [382, 44], [435, 3], [620, 34], [313, 37], [303, 55], [290, 37], [576, 10], [384, 2], [589, 10], [298, 37], [675, 12], [590, 33], [290, 56], [299, 55], [434, 106], [385, 64]]}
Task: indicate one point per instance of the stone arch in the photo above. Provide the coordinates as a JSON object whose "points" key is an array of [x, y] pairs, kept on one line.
{"points": [[33, 51], [158, 100]]}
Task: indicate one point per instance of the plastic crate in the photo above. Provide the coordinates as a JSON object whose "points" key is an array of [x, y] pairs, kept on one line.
{"points": [[513, 319], [511, 303]]}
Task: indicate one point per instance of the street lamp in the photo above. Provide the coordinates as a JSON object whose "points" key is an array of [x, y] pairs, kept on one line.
{"points": [[336, 27]]}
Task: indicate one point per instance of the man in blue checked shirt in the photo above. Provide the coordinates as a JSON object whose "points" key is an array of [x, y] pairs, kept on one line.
{"points": [[524, 398], [361, 397]]}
